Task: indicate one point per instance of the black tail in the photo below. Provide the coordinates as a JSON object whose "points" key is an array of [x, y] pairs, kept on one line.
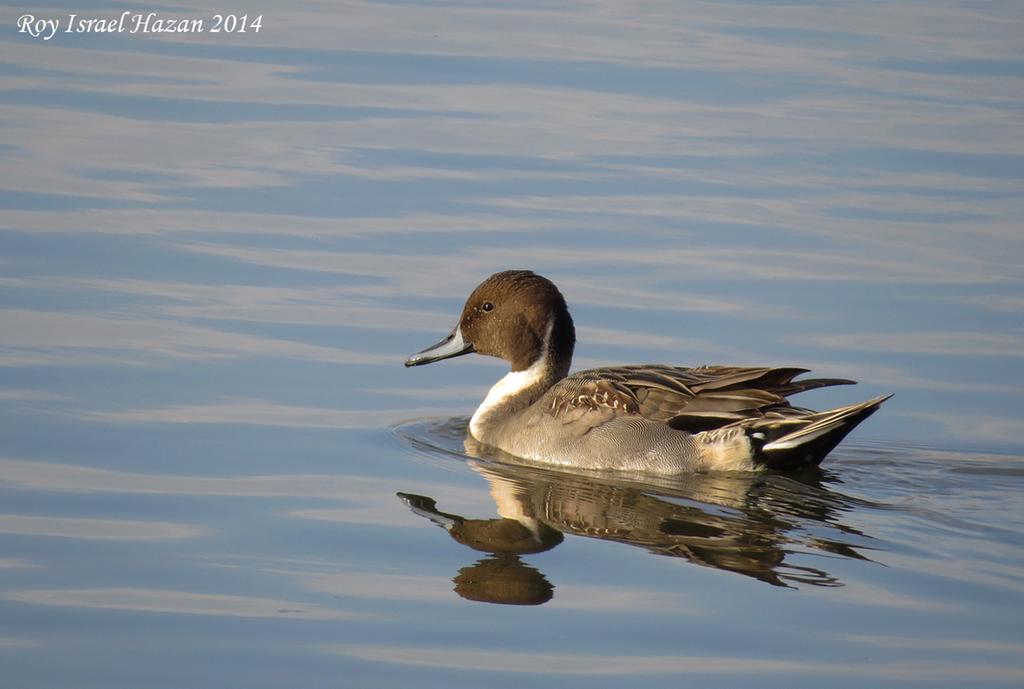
{"points": [[804, 441]]}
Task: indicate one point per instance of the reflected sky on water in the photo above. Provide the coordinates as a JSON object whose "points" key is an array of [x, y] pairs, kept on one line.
{"points": [[217, 249]]}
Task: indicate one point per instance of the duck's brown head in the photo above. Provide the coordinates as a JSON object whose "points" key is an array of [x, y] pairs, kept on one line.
{"points": [[514, 315]]}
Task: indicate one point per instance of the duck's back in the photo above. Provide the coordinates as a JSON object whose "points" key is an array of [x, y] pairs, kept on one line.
{"points": [[690, 399]]}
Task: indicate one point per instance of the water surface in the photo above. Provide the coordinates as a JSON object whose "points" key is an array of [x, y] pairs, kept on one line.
{"points": [[216, 251]]}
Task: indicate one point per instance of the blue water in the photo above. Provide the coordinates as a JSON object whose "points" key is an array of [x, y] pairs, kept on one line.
{"points": [[216, 251]]}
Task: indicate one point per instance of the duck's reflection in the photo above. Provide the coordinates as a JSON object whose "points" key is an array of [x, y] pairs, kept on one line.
{"points": [[502, 577], [748, 524]]}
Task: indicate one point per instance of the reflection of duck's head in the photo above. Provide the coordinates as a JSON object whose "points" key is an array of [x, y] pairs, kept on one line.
{"points": [[498, 536], [503, 579]]}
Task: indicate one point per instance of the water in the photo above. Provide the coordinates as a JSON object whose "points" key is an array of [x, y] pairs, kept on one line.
{"points": [[216, 251]]}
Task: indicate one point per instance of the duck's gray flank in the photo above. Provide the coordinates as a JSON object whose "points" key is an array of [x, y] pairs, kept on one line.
{"points": [[648, 418]]}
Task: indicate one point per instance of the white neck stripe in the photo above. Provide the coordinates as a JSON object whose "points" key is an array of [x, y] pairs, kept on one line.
{"points": [[514, 383]]}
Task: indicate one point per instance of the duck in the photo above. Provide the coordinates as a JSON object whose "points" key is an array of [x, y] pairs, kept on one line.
{"points": [[647, 418]]}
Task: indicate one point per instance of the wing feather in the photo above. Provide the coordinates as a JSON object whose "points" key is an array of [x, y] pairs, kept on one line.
{"points": [[692, 399]]}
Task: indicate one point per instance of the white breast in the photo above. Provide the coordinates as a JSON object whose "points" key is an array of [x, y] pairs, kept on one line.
{"points": [[512, 385], [504, 390]]}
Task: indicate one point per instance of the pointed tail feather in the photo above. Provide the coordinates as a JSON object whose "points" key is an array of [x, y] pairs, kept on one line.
{"points": [[795, 386], [808, 444]]}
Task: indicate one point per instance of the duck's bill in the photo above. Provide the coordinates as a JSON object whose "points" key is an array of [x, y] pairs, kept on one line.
{"points": [[449, 347]]}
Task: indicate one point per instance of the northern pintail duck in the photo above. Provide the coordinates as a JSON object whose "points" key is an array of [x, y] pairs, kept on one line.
{"points": [[647, 418]]}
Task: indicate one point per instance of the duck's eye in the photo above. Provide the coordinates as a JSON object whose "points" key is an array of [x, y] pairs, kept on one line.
{"points": [[487, 306]]}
